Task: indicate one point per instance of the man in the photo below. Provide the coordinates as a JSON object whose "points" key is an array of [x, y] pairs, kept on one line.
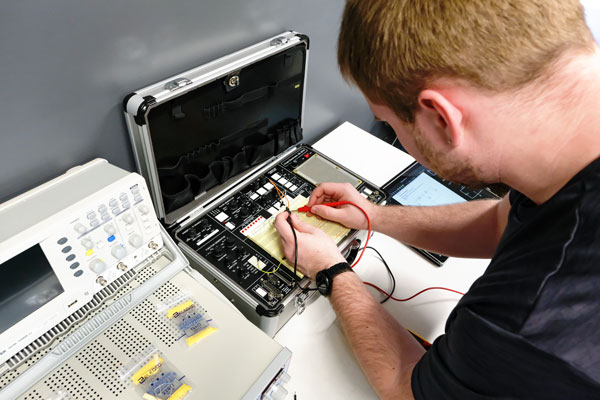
{"points": [[480, 91]]}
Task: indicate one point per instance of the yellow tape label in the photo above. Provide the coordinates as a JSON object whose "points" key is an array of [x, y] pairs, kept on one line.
{"points": [[200, 335], [151, 368], [180, 309]]}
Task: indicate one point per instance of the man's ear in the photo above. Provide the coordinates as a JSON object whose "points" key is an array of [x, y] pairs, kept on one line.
{"points": [[443, 115]]}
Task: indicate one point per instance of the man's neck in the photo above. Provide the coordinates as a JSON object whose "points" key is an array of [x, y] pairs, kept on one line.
{"points": [[550, 150]]}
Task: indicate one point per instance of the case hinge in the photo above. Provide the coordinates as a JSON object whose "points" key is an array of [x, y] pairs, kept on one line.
{"points": [[177, 84], [278, 41]]}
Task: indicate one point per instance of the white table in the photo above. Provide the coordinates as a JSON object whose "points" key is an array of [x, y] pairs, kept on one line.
{"points": [[323, 366]]}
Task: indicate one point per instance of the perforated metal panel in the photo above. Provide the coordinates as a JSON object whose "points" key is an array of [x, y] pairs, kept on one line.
{"points": [[67, 378], [8, 378], [126, 338], [165, 291], [92, 373], [33, 395], [145, 315], [104, 365]]}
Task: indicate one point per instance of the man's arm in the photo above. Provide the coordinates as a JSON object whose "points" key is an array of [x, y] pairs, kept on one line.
{"points": [[471, 229], [385, 351]]}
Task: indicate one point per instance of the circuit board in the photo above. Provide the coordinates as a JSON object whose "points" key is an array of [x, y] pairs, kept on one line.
{"points": [[267, 237], [237, 235]]}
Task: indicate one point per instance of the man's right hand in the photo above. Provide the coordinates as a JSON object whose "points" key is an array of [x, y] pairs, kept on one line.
{"points": [[347, 215]]}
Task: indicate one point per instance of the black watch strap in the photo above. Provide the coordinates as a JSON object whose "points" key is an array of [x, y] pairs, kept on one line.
{"points": [[325, 278]]}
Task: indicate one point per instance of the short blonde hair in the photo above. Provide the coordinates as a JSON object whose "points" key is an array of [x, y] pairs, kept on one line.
{"points": [[391, 49]]}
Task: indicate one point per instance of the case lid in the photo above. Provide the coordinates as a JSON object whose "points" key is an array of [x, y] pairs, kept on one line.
{"points": [[212, 123]]}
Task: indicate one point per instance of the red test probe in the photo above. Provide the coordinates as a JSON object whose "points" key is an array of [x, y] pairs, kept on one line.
{"points": [[341, 203]]}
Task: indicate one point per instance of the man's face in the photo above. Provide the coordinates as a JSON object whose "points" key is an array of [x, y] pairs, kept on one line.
{"points": [[443, 160]]}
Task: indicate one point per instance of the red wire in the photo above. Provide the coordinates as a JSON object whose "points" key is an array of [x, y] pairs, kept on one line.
{"points": [[414, 295], [341, 203]]}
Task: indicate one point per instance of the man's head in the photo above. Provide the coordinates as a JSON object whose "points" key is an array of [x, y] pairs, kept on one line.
{"points": [[403, 54]]}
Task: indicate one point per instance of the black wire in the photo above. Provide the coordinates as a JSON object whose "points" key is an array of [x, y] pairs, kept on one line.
{"points": [[289, 220], [391, 292], [387, 267]]}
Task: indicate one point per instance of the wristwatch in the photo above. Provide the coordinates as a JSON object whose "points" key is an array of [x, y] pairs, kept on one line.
{"points": [[325, 277]]}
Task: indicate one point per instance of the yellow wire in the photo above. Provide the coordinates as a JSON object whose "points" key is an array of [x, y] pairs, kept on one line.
{"points": [[281, 194], [271, 272]]}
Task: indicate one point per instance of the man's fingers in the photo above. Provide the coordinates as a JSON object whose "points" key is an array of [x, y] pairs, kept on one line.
{"points": [[316, 196], [283, 227], [302, 226], [326, 212], [325, 192]]}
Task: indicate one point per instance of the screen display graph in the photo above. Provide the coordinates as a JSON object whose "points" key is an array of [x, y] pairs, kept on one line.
{"points": [[426, 191]]}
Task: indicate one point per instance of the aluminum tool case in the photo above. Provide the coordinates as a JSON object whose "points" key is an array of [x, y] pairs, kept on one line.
{"points": [[211, 136]]}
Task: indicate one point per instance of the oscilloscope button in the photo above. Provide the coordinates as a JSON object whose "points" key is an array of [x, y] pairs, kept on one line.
{"points": [[80, 228]]}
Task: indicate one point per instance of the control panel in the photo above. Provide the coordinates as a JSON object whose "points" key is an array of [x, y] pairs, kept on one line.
{"points": [[64, 242], [225, 236], [108, 237]]}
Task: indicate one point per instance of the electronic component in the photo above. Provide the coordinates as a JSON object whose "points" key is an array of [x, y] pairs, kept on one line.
{"points": [[59, 254], [267, 237], [318, 170], [215, 192], [185, 315], [82, 355], [235, 243], [153, 377]]}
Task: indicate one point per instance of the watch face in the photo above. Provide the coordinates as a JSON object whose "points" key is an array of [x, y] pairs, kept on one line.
{"points": [[323, 283]]}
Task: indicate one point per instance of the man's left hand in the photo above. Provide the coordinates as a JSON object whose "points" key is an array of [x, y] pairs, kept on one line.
{"points": [[316, 250]]}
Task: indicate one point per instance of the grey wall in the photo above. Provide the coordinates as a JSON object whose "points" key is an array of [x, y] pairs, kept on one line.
{"points": [[65, 66]]}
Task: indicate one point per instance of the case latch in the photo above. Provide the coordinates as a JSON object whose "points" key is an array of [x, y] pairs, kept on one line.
{"points": [[177, 84], [300, 302], [278, 41]]}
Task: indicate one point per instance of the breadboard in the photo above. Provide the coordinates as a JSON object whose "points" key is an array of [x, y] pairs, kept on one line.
{"points": [[268, 238]]}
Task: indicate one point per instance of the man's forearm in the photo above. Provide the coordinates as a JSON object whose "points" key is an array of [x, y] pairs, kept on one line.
{"points": [[385, 351], [470, 229]]}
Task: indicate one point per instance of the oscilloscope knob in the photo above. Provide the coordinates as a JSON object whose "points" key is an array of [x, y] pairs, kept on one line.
{"points": [[136, 240], [97, 266], [128, 219], [118, 252]]}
